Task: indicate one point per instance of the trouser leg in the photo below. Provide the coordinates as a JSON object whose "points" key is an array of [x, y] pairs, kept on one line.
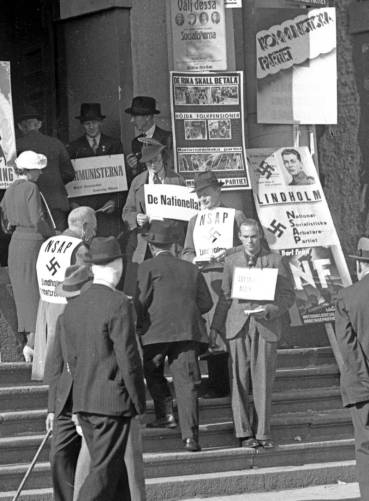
{"points": [[134, 462], [106, 438], [240, 384], [154, 357], [263, 357], [184, 366], [360, 420], [82, 468], [65, 447], [218, 373]]}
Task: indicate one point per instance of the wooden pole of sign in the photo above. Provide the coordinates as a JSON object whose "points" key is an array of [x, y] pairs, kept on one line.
{"points": [[333, 341]]}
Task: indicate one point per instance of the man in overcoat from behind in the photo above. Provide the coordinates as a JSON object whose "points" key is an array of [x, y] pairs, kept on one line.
{"points": [[352, 334], [103, 357], [171, 297]]}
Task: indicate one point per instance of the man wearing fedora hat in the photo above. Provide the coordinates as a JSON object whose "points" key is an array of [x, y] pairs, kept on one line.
{"points": [[103, 357], [352, 320], [252, 338], [171, 297], [95, 143], [208, 189], [66, 442], [142, 111], [59, 170], [134, 214]]}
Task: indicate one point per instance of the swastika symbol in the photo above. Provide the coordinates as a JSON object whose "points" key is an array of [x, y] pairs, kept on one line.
{"points": [[214, 235], [265, 169], [277, 228], [53, 266]]}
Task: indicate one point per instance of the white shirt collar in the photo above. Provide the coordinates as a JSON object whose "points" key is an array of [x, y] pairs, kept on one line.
{"points": [[100, 281], [90, 139], [150, 132], [161, 176]]}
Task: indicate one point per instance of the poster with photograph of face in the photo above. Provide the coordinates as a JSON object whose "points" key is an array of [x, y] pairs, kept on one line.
{"points": [[195, 130]]}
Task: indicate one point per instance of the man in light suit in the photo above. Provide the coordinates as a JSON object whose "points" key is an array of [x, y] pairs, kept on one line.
{"points": [[94, 142], [252, 338], [154, 155], [171, 297], [103, 357], [142, 111], [352, 321]]}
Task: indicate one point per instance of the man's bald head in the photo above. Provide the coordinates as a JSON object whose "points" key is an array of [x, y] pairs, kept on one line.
{"points": [[82, 221]]}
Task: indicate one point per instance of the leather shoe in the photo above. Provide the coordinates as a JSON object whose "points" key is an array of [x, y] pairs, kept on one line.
{"points": [[168, 421], [267, 444], [191, 445], [249, 442]]}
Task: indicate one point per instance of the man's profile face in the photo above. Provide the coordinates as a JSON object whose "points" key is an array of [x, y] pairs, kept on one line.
{"points": [[292, 164], [250, 238], [209, 197], [92, 127]]}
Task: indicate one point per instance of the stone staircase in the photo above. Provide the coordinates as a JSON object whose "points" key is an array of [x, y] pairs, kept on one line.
{"points": [[314, 435]]}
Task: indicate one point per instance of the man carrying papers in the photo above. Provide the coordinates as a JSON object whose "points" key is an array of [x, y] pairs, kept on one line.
{"points": [[253, 329]]}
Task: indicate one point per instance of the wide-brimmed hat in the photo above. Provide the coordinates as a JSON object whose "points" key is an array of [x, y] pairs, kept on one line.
{"points": [[28, 112], [103, 250], [90, 111], [205, 179], [362, 250], [150, 148], [160, 232], [31, 160], [143, 105], [75, 277]]}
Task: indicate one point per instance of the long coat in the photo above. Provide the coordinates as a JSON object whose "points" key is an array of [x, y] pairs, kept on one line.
{"points": [[58, 172], [107, 224], [352, 320], [102, 353], [230, 312], [135, 204], [171, 297]]}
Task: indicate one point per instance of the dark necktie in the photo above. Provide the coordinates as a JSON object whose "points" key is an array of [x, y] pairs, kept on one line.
{"points": [[251, 261], [156, 179], [94, 145]]}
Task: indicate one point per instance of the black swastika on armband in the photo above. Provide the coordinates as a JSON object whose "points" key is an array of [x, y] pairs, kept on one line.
{"points": [[277, 228], [265, 169], [53, 266]]}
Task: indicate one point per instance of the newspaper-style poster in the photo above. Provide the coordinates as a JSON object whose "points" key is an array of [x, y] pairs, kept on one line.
{"points": [[296, 220], [7, 136], [199, 35], [296, 66], [208, 126]]}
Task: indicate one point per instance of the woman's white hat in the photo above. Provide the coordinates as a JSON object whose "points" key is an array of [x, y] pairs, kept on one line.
{"points": [[31, 160]]}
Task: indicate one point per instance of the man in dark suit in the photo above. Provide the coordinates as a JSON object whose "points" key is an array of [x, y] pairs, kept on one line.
{"points": [[134, 211], [142, 111], [252, 338], [171, 297], [103, 357], [352, 320], [95, 143], [66, 442], [59, 170]]}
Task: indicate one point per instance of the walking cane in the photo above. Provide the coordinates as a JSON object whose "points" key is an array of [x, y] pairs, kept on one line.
{"points": [[30, 468]]}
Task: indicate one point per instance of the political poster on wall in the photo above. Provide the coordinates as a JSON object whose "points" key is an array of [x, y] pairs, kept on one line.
{"points": [[295, 216], [208, 126], [54, 257], [7, 136], [198, 35], [296, 66], [100, 174]]}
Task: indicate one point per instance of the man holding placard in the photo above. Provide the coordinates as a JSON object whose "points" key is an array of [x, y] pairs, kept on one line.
{"points": [[256, 292]]}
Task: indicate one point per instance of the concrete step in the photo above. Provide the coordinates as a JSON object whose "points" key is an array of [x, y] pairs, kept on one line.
{"points": [[18, 373], [34, 395], [249, 480], [29, 495], [287, 428], [183, 465], [211, 410]]}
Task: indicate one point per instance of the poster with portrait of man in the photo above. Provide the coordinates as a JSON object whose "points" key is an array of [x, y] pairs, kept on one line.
{"points": [[296, 66]]}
